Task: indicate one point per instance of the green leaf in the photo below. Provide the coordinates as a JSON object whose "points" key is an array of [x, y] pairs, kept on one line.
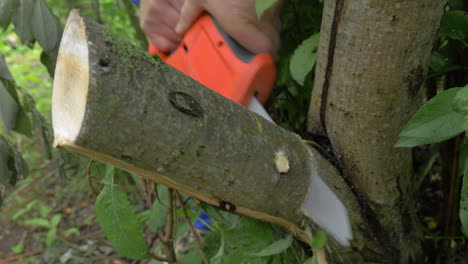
{"points": [[262, 5], [8, 108], [23, 124], [70, 231], [118, 222], [158, 212], [38, 222], [276, 248], [461, 105], [309, 260], [438, 61], [4, 72], [55, 221], [49, 60], [44, 210], [277, 260], [4, 155], [193, 257], [44, 26], [7, 10], [11, 113], [20, 165], [215, 215], [454, 24], [303, 59], [435, 121], [464, 201], [218, 258], [22, 21], [24, 210], [50, 236], [461, 100], [319, 240], [19, 248]]}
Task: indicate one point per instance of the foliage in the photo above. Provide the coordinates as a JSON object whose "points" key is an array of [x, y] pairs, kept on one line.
{"points": [[235, 239], [445, 115], [289, 102], [115, 216], [303, 59], [438, 120], [262, 5], [455, 24]]}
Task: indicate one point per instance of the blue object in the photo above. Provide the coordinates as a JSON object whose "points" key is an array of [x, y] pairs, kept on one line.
{"points": [[136, 2], [203, 221]]}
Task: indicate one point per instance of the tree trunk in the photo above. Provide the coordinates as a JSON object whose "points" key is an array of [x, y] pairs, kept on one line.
{"points": [[373, 57], [113, 102]]}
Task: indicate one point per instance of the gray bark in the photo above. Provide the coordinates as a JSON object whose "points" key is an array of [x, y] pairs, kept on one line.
{"points": [[373, 57]]}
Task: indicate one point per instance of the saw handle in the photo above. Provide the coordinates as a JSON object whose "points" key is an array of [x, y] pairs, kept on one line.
{"points": [[211, 57]]}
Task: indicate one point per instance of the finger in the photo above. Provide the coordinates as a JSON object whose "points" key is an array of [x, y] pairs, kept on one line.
{"points": [[177, 4], [249, 36], [162, 43], [190, 11], [161, 11]]}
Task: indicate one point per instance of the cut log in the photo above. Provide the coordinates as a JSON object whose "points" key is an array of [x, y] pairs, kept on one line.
{"points": [[115, 103]]}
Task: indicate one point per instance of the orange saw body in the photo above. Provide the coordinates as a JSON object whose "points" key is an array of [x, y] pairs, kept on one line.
{"points": [[211, 57]]}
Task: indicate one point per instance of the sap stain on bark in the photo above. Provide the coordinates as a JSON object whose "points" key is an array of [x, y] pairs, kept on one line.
{"points": [[186, 104], [414, 80]]}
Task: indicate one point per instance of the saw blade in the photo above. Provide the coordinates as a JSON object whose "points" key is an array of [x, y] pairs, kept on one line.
{"points": [[321, 204]]}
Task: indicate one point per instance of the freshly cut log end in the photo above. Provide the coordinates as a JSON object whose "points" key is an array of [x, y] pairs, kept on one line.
{"points": [[70, 81]]}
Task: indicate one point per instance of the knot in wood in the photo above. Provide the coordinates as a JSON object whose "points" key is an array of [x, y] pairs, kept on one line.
{"points": [[186, 104]]}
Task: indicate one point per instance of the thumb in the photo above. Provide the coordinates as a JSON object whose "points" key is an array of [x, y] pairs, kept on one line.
{"points": [[190, 11], [249, 35]]}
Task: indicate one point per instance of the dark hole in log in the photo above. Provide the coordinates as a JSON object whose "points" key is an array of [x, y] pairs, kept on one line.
{"points": [[104, 64]]}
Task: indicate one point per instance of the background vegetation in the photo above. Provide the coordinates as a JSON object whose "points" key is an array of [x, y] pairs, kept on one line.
{"points": [[53, 200]]}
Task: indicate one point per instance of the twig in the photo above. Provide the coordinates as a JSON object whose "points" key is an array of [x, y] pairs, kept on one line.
{"points": [[445, 237], [424, 169], [90, 177], [170, 216], [197, 238], [166, 238], [321, 256], [157, 257], [20, 256], [452, 192]]}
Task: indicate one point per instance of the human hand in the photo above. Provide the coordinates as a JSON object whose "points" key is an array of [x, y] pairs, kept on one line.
{"points": [[158, 19], [165, 22]]}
